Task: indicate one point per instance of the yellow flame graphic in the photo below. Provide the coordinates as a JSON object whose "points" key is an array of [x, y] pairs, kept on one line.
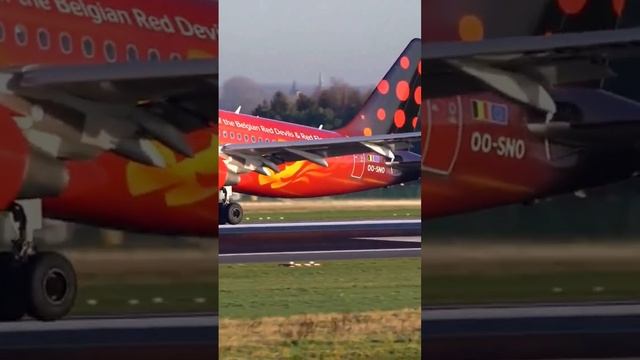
{"points": [[299, 171], [179, 179]]}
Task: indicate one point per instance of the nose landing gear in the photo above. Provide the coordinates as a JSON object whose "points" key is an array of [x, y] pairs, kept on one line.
{"points": [[40, 284]]}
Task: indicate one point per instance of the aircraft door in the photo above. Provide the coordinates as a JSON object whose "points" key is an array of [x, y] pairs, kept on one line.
{"points": [[443, 135], [359, 164]]}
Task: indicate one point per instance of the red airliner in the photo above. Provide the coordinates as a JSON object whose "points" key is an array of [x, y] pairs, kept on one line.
{"points": [[107, 117], [272, 158], [517, 109]]}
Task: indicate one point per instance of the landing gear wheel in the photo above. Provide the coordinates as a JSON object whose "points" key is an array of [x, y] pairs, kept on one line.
{"points": [[234, 213], [52, 286], [13, 300], [222, 213]]}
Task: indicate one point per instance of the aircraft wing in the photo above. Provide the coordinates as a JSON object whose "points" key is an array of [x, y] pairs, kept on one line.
{"points": [[78, 111], [257, 156], [524, 68]]}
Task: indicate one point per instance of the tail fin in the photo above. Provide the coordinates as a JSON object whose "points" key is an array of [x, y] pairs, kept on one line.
{"points": [[626, 81], [446, 20], [394, 105]]}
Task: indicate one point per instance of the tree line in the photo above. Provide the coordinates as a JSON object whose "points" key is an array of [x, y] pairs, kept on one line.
{"points": [[331, 107]]}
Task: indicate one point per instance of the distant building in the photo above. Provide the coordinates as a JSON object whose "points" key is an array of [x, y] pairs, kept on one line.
{"points": [[294, 89]]}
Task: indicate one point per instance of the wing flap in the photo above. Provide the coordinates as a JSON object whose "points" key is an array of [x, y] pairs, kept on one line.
{"points": [[601, 135]]}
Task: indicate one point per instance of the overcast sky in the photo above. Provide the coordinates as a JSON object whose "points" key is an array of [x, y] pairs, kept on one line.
{"points": [[278, 41]]}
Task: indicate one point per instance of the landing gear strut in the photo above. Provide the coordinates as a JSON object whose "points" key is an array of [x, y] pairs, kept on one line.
{"points": [[229, 212], [40, 284]]}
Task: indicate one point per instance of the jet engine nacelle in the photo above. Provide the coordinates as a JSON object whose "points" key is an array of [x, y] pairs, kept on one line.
{"points": [[226, 178], [26, 172], [14, 161]]}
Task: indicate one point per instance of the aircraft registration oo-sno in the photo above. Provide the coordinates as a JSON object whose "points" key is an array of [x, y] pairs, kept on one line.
{"points": [[270, 158], [518, 111], [107, 117]]}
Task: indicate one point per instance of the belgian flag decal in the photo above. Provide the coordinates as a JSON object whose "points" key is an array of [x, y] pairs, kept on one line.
{"points": [[488, 111]]}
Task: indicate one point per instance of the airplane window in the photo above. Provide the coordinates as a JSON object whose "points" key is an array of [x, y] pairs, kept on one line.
{"points": [[66, 44], [232, 135], [88, 47], [110, 51], [267, 140], [43, 39], [175, 57], [132, 53], [246, 137], [2, 32], [239, 136], [153, 55], [253, 139], [21, 35], [259, 139], [224, 134]]}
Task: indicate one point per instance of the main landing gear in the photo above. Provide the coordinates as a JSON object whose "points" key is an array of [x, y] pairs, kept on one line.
{"points": [[42, 285], [229, 212]]}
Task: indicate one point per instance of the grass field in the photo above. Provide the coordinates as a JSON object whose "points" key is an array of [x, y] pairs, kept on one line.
{"points": [[329, 210], [119, 282], [259, 290], [360, 309], [504, 273], [391, 334]]}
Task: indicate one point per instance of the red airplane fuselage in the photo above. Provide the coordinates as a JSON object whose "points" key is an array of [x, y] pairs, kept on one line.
{"points": [[344, 174], [478, 153], [111, 190]]}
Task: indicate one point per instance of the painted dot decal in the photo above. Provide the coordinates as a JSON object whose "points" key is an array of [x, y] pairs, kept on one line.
{"points": [[414, 122], [572, 7], [417, 96], [381, 114], [399, 118], [383, 87], [402, 90], [367, 132], [404, 62], [618, 6], [470, 28]]}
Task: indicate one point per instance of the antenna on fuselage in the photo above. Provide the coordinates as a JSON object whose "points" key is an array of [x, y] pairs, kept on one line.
{"points": [[321, 126], [238, 109]]}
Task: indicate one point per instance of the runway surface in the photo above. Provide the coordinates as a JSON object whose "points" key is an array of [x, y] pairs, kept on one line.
{"points": [[157, 337], [319, 241], [538, 331]]}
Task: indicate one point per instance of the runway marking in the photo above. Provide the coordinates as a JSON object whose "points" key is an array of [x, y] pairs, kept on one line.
{"points": [[109, 323], [327, 223], [321, 252], [352, 254], [413, 239], [534, 311]]}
